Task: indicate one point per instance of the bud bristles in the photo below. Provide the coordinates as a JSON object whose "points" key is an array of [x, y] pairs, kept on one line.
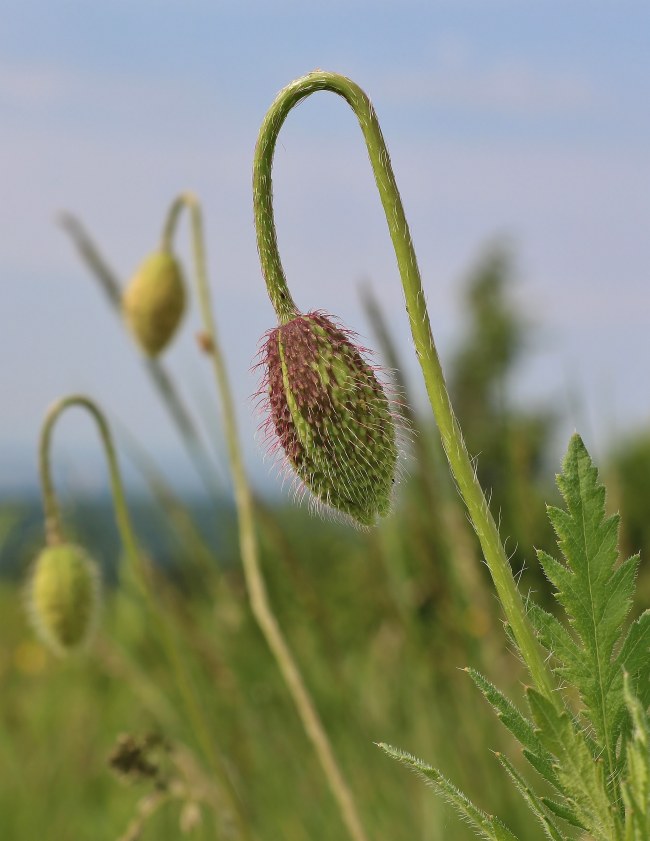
{"points": [[331, 416]]}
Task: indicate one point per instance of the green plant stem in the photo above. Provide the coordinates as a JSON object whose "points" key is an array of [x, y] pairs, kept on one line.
{"points": [[54, 532], [450, 432], [249, 546], [160, 376]]}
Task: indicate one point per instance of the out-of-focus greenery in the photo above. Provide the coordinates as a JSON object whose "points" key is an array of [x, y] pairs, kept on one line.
{"points": [[381, 623], [511, 443], [629, 472], [379, 664]]}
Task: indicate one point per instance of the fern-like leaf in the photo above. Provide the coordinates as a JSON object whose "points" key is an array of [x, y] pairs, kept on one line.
{"points": [[561, 810], [634, 657], [522, 728], [580, 776], [595, 592], [485, 826]]}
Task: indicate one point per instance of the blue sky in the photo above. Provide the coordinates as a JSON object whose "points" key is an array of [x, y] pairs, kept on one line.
{"points": [[528, 122]]}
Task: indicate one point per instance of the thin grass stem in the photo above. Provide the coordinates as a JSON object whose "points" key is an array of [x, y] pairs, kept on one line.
{"points": [[249, 546]]}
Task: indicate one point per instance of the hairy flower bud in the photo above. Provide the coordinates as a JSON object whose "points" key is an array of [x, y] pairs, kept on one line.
{"points": [[154, 301], [64, 596], [331, 416]]}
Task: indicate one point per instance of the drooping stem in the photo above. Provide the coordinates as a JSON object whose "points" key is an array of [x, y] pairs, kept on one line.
{"points": [[452, 439], [160, 376], [249, 545], [50, 503], [184, 200], [51, 511], [126, 531]]}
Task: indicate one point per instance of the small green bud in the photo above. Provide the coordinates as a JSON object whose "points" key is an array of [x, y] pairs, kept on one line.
{"points": [[64, 596], [331, 416], [154, 301]]}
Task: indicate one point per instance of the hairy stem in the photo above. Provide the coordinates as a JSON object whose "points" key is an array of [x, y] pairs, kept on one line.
{"points": [[249, 546], [140, 572], [450, 432]]}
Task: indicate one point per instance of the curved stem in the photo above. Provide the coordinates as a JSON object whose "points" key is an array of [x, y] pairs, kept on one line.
{"points": [[50, 503], [51, 510], [450, 432], [249, 546], [162, 380], [171, 221], [139, 569]]}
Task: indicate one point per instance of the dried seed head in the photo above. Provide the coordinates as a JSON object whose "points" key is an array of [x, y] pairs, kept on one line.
{"points": [[140, 758], [64, 596], [154, 301], [331, 416]]}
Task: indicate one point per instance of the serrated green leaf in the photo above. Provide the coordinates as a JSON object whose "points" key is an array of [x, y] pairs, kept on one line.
{"points": [[561, 810], [615, 608], [534, 803], [485, 826], [580, 776], [634, 656], [520, 727], [555, 637], [596, 593], [559, 576], [543, 764], [635, 651]]}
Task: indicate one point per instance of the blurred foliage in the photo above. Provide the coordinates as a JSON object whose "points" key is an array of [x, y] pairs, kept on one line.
{"points": [[631, 464], [629, 473], [381, 622], [379, 668], [510, 442]]}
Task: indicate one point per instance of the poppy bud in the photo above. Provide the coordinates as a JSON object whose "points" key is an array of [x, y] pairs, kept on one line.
{"points": [[64, 596], [154, 301], [331, 416]]}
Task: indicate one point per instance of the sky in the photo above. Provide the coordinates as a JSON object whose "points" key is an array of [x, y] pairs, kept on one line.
{"points": [[506, 120]]}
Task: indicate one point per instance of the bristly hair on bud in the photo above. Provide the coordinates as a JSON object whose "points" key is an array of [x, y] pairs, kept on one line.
{"points": [[63, 597], [154, 301], [330, 414]]}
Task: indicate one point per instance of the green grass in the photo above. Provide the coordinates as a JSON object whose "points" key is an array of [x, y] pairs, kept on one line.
{"points": [[381, 623], [381, 669]]}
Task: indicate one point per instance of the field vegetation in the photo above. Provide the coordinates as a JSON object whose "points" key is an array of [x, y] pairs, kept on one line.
{"points": [[200, 708]]}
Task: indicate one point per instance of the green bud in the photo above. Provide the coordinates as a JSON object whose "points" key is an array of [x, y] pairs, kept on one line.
{"points": [[154, 301], [64, 596], [330, 414]]}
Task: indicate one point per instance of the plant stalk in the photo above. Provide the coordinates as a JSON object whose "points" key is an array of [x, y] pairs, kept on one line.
{"points": [[453, 443], [249, 546], [54, 533]]}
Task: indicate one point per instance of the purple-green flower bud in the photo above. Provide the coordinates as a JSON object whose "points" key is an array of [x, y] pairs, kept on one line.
{"points": [[154, 301], [64, 596], [331, 416]]}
